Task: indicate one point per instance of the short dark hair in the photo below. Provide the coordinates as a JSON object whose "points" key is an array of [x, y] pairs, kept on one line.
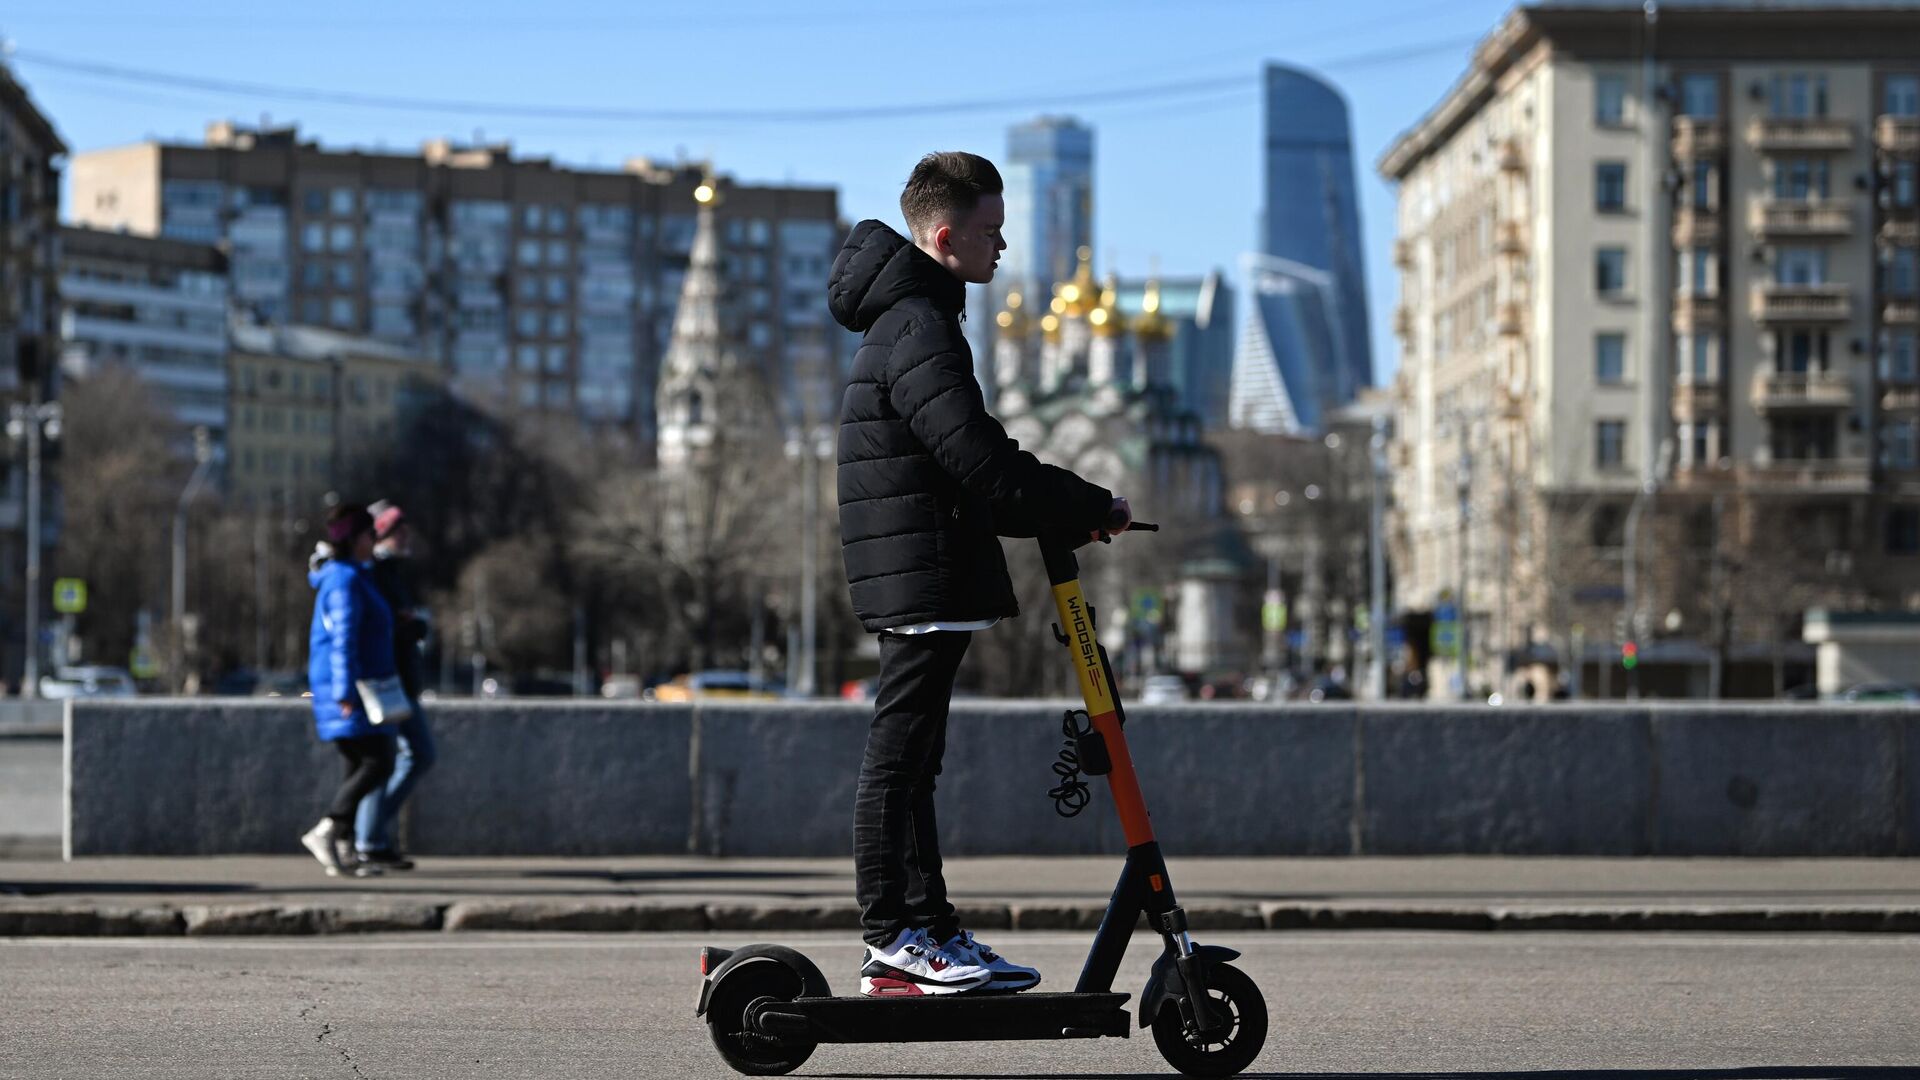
{"points": [[946, 186]]}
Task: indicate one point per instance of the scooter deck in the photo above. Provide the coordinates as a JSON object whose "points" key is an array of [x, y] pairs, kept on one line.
{"points": [[945, 1018]]}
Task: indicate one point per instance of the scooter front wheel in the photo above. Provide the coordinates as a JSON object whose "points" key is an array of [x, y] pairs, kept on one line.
{"points": [[1237, 1002], [734, 993]]}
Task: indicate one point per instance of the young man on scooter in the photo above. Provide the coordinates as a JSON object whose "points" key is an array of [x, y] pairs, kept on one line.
{"points": [[928, 482]]}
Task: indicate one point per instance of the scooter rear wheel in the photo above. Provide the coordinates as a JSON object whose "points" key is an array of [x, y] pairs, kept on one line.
{"points": [[1239, 1003], [736, 990]]}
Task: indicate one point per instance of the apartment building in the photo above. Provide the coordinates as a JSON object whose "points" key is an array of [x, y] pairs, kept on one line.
{"points": [[155, 306], [1657, 323], [30, 157], [305, 402], [549, 286]]}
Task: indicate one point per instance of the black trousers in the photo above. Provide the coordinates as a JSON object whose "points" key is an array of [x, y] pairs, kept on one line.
{"points": [[896, 843], [369, 761]]}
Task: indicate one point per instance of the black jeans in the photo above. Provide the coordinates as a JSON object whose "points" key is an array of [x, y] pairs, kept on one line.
{"points": [[896, 844], [369, 764]]}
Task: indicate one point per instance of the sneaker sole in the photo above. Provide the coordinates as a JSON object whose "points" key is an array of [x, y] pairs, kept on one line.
{"points": [[881, 987]]}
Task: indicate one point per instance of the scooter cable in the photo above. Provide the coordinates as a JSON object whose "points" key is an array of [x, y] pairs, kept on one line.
{"points": [[1071, 795]]}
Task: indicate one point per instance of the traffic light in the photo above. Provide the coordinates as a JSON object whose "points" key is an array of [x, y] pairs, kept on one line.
{"points": [[1629, 656]]}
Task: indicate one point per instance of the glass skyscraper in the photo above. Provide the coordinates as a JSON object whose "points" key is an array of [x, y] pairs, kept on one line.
{"points": [[1308, 305]]}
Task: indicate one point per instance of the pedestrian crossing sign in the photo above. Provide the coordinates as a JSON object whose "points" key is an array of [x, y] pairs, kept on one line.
{"points": [[70, 596]]}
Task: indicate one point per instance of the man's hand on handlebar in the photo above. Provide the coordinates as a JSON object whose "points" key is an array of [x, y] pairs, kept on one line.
{"points": [[1118, 518]]}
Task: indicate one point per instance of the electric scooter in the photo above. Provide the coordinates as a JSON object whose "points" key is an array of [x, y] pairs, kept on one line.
{"points": [[767, 1006]]}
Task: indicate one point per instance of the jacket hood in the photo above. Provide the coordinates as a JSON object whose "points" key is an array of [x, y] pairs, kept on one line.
{"points": [[877, 268], [317, 576]]}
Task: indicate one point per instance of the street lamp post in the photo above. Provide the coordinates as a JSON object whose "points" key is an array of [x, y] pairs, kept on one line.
{"points": [[1463, 487], [814, 447], [204, 456], [1377, 567], [32, 421]]}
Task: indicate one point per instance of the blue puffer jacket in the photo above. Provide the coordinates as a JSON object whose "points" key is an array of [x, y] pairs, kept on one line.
{"points": [[352, 639]]}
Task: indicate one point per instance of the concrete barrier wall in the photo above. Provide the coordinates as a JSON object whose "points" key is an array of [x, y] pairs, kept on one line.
{"points": [[188, 777]]}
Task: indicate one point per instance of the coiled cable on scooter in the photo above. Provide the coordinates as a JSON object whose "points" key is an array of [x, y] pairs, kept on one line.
{"points": [[1071, 794]]}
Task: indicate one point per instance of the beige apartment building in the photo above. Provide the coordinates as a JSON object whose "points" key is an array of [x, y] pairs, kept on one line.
{"points": [[1657, 325], [550, 287], [304, 403]]}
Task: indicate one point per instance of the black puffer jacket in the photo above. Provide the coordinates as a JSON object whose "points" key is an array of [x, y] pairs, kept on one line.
{"points": [[928, 480]]}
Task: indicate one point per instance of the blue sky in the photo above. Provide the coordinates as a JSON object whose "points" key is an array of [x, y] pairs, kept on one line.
{"points": [[1178, 175]]}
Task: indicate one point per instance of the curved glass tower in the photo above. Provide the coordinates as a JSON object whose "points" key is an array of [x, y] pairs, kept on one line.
{"points": [[1311, 221]]}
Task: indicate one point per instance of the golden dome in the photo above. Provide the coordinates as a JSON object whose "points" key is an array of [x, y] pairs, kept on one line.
{"points": [[1106, 317], [1080, 294], [1050, 326], [1013, 317], [1151, 322]]}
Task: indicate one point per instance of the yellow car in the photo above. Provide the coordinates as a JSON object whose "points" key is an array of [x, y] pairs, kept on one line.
{"points": [[710, 685]]}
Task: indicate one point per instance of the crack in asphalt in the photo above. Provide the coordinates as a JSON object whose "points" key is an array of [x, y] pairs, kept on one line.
{"points": [[308, 1012]]}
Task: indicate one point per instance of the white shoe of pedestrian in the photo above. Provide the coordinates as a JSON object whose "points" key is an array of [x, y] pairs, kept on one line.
{"points": [[322, 841], [1007, 975]]}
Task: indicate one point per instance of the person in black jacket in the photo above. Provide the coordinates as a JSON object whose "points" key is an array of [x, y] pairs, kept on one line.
{"points": [[393, 577], [928, 482]]}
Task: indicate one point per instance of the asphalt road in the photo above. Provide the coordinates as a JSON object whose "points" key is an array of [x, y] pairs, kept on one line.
{"points": [[1624, 1006]]}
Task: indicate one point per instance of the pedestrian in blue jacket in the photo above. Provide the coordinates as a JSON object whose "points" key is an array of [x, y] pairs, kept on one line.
{"points": [[351, 641]]}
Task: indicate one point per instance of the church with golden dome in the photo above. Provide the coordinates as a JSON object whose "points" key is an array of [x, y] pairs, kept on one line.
{"points": [[1085, 379]]}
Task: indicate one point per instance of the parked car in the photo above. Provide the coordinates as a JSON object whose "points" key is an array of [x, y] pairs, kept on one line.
{"points": [[88, 682], [621, 687], [738, 685], [1325, 689], [282, 684], [1164, 690], [1869, 692]]}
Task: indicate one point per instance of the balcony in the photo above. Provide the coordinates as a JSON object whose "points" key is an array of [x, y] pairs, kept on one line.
{"points": [[1775, 303], [1694, 137], [1783, 391], [1900, 230], [1510, 238], [1901, 311], [1776, 135], [1801, 219], [1403, 322], [1403, 253], [1693, 311], [1512, 158], [1692, 399], [1897, 134], [1830, 475], [1510, 320], [1900, 397], [1696, 226]]}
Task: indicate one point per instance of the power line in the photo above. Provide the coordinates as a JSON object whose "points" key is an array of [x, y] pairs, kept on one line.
{"points": [[1157, 92]]}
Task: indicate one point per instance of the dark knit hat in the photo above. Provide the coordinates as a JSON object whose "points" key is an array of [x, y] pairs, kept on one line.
{"points": [[346, 522]]}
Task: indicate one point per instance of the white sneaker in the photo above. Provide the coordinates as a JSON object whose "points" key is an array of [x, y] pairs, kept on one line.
{"points": [[323, 843], [1007, 975], [912, 966]]}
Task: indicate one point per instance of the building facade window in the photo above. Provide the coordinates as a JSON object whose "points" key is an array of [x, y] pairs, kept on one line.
{"points": [[559, 324], [1610, 187], [341, 312], [1699, 271], [1704, 188], [313, 274], [1897, 444], [1610, 271], [556, 359], [526, 322], [527, 357], [1800, 266], [1902, 184], [1798, 96], [1610, 100], [1902, 97], [1610, 358], [1700, 96], [1610, 444], [1798, 351], [313, 237], [1802, 438], [527, 252], [340, 238], [1700, 355], [1900, 274], [1898, 362], [1903, 530], [1801, 178], [342, 202], [343, 274]]}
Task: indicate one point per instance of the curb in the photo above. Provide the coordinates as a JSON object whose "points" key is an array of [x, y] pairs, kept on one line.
{"points": [[218, 920]]}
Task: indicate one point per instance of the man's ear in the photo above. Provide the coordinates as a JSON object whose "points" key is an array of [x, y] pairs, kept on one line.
{"points": [[942, 238]]}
